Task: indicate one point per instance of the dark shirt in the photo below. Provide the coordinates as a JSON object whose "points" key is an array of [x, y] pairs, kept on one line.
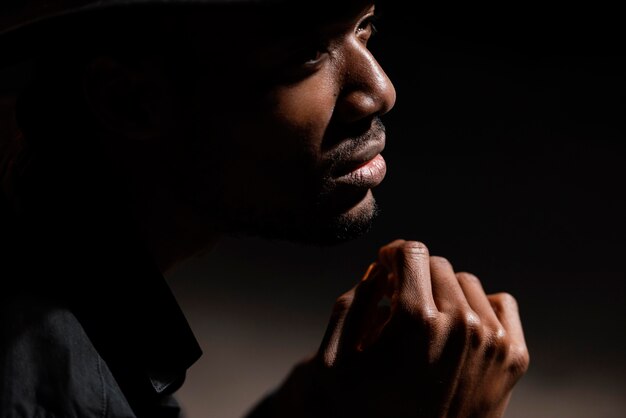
{"points": [[88, 325]]}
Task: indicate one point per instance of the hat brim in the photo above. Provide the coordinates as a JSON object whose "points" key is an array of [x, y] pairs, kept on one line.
{"points": [[21, 34]]}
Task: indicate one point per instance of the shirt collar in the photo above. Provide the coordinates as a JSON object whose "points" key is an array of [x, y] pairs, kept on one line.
{"points": [[92, 254]]}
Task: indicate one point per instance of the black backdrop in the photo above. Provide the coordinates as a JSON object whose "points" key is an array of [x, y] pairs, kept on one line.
{"points": [[505, 154]]}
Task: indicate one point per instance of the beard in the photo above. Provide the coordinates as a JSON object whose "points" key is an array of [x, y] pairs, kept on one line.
{"points": [[323, 224]]}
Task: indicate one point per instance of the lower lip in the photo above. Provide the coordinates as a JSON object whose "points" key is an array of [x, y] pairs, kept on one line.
{"points": [[369, 175]]}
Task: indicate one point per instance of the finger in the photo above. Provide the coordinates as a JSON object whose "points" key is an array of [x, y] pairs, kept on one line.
{"points": [[447, 292], [364, 315], [409, 262], [379, 320], [476, 297], [329, 347], [505, 308], [353, 313], [385, 253]]}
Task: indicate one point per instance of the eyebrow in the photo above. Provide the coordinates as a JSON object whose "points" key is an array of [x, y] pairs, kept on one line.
{"points": [[307, 24]]}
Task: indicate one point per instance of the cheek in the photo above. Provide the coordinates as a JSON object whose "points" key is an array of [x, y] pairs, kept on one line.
{"points": [[276, 145], [302, 113], [288, 124], [308, 106]]}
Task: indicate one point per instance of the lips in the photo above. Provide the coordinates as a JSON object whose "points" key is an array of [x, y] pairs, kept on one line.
{"points": [[366, 167], [370, 174]]}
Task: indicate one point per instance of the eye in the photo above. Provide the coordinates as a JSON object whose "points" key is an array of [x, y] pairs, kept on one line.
{"points": [[304, 60], [366, 28], [309, 56]]}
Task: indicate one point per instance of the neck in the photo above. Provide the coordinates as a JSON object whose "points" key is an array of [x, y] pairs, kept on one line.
{"points": [[173, 233], [173, 229], [104, 197]]}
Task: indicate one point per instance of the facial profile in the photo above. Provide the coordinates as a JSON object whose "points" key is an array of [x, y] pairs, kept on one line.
{"points": [[288, 143], [267, 126]]}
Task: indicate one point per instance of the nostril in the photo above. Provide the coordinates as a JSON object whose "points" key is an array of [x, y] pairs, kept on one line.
{"points": [[357, 104]]}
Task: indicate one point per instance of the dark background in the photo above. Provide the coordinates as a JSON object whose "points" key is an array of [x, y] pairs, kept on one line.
{"points": [[505, 154]]}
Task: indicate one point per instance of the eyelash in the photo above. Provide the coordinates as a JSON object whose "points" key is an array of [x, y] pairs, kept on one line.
{"points": [[368, 24], [366, 28]]}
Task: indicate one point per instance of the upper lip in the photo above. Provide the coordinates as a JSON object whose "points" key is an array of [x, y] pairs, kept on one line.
{"points": [[374, 145]]}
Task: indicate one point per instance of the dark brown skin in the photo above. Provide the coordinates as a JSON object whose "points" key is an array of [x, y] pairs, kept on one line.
{"points": [[266, 156], [443, 348]]}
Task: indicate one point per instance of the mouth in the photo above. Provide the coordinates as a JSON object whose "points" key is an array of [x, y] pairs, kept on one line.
{"points": [[365, 168]]}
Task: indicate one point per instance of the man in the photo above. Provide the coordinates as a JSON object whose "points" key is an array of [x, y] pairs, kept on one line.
{"points": [[149, 131]]}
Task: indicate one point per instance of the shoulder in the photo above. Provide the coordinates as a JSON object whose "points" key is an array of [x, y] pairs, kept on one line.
{"points": [[49, 367]]}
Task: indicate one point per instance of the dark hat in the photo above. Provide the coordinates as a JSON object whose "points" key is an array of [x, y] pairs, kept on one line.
{"points": [[19, 14], [28, 25], [23, 19]]}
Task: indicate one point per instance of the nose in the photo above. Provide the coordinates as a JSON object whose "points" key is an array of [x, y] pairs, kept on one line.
{"points": [[366, 90]]}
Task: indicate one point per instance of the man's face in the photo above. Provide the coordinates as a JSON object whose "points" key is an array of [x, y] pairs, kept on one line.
{"points": [[288, 136]]}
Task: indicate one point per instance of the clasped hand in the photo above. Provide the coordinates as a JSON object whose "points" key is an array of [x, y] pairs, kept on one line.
{"points": [[413, 339]]}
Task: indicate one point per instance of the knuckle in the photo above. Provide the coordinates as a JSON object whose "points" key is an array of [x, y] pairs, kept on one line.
{"points": [[471, 321], [429, 318], [499, 335], [421, 317], [388, 251], [467, 277], [468, 322], [505, 300], [410, 253], [429, 324], [497, 344], [412, 249], [518, 360]]}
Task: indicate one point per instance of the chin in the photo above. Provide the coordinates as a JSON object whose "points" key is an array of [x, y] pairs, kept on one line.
{"points": [[363, 210], [323, 226], [356, 221], [338, 226]]}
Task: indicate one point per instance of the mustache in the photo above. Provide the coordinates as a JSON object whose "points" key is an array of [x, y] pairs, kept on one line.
{"points": [[355, 138]]}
